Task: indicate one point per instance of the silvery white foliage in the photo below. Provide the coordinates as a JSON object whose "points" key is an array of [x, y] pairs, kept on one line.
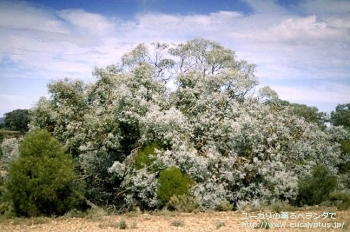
{"points": [[186, 159], [278, 139], [138, 186], [211, 193], [234, 146], [118, 168], [99, 123], [10, 152], [167, 126]]}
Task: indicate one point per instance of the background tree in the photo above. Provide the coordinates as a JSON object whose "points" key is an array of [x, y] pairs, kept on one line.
{"points": [[2, 122], [17, 120], [308, 113], [41, 180], [341, 116]]}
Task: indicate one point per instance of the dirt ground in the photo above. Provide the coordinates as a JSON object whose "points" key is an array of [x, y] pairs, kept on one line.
{"points": [[315, 219]]}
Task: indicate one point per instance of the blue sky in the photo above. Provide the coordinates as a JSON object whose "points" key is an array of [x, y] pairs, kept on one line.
{"points": [[301, 48]]}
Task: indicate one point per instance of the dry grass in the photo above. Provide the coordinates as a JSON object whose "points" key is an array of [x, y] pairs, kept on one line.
{"points": [[168, 221]]}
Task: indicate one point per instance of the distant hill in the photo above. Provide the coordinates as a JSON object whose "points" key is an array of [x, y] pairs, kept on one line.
{"points": [[2, 120]]}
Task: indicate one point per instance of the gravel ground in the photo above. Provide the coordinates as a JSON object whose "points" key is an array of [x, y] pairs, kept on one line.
{"points": [[168, 221]]}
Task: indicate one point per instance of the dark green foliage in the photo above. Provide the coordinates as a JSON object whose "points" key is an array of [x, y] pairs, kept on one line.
{"points": [[341, 116], [17, 120], [100, 188], [42, 181], [345, 146], [341, 200], [344, 166], [172, 182], [316, 189], [144, 155], [131, 134], [1, 139]]}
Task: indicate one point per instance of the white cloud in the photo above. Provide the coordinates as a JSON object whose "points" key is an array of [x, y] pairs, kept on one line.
{"points": [[322, 92], [41, 43], [326, 8], [21, 15], [266, 6], [85, 23]]}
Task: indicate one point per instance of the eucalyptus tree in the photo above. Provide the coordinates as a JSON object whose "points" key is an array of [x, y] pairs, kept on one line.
{"points": [[230, 140]]}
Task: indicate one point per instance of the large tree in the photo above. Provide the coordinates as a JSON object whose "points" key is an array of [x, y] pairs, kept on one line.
{"points": [[211, 125]]}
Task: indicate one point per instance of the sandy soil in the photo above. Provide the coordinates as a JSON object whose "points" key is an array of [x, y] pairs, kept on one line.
{"points": [[209, 221]]}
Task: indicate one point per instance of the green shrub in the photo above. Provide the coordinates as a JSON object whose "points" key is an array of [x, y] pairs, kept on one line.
{"points": [[122, 225], [183, 203], [144, 155], [316, 189], [341, 200], [178, 223], [41, 181], [172, 182]]}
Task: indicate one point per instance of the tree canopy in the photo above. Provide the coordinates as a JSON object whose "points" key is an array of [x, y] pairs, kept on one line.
{"points": [[17, 120], [341, 116], [212, 125]]}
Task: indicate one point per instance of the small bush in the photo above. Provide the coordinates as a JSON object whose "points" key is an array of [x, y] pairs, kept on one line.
{"points": [[218, 225], [250, 206], [280, 206], [172, 182], [316, 189], [122, 225], [224, 206], [95, 214], [341, 200], [75, 213], [183, 203], [107, 224], [177, 223], [41, 181]]}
